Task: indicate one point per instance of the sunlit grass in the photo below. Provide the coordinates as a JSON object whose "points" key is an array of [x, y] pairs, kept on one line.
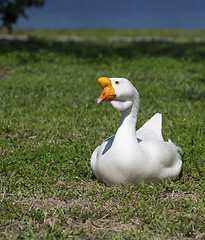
{"points": [[50, 124]]}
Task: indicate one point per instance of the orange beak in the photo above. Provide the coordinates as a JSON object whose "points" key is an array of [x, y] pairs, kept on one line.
{"points": [[108, 92]]}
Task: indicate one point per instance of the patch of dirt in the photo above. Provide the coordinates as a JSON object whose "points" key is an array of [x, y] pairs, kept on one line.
{"points": [[12, 37], [77, 38], [173, 196], [89, 212], [92, 227], [93, 217], [3, 73]]}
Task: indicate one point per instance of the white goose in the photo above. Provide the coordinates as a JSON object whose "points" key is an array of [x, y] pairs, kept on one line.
{"points": [[130, 156]]}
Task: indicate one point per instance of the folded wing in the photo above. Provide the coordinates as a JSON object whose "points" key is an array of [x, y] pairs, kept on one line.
{"points": [[151, 130]]}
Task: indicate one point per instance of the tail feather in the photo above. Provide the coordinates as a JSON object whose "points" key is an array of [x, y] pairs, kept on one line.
{"points": [[175, 147]]}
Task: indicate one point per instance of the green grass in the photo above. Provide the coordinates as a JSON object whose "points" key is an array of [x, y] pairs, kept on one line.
{"points": [[50, 124], [178, 35]]}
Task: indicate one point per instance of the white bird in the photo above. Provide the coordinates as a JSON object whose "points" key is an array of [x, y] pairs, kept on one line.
{"points": [[130, 156]]}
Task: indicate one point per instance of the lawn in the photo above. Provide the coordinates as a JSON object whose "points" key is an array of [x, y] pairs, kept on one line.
{"points": [[50, 124]]}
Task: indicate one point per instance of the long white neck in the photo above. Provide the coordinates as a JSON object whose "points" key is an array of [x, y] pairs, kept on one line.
{"points": [[127, 127]]}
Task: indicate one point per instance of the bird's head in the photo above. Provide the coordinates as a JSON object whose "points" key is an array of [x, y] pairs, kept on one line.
{"points": [[119, 91]]}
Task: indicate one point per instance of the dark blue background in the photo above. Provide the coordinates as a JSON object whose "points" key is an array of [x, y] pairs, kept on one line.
{"points": [[141, 14]]}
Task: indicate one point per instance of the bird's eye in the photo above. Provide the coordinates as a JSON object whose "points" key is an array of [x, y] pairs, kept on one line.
{"points": [[117, 82]]}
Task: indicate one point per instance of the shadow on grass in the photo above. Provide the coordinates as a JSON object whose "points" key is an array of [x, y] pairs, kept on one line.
{"points": [[92, 49], [99, 51]]}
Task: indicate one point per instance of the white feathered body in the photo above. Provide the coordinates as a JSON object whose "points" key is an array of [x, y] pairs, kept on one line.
{"points": [[133, 157], [153, 160]]}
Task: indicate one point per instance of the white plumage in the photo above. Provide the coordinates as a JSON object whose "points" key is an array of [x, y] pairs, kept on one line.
{"points": [[130, 156]]}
